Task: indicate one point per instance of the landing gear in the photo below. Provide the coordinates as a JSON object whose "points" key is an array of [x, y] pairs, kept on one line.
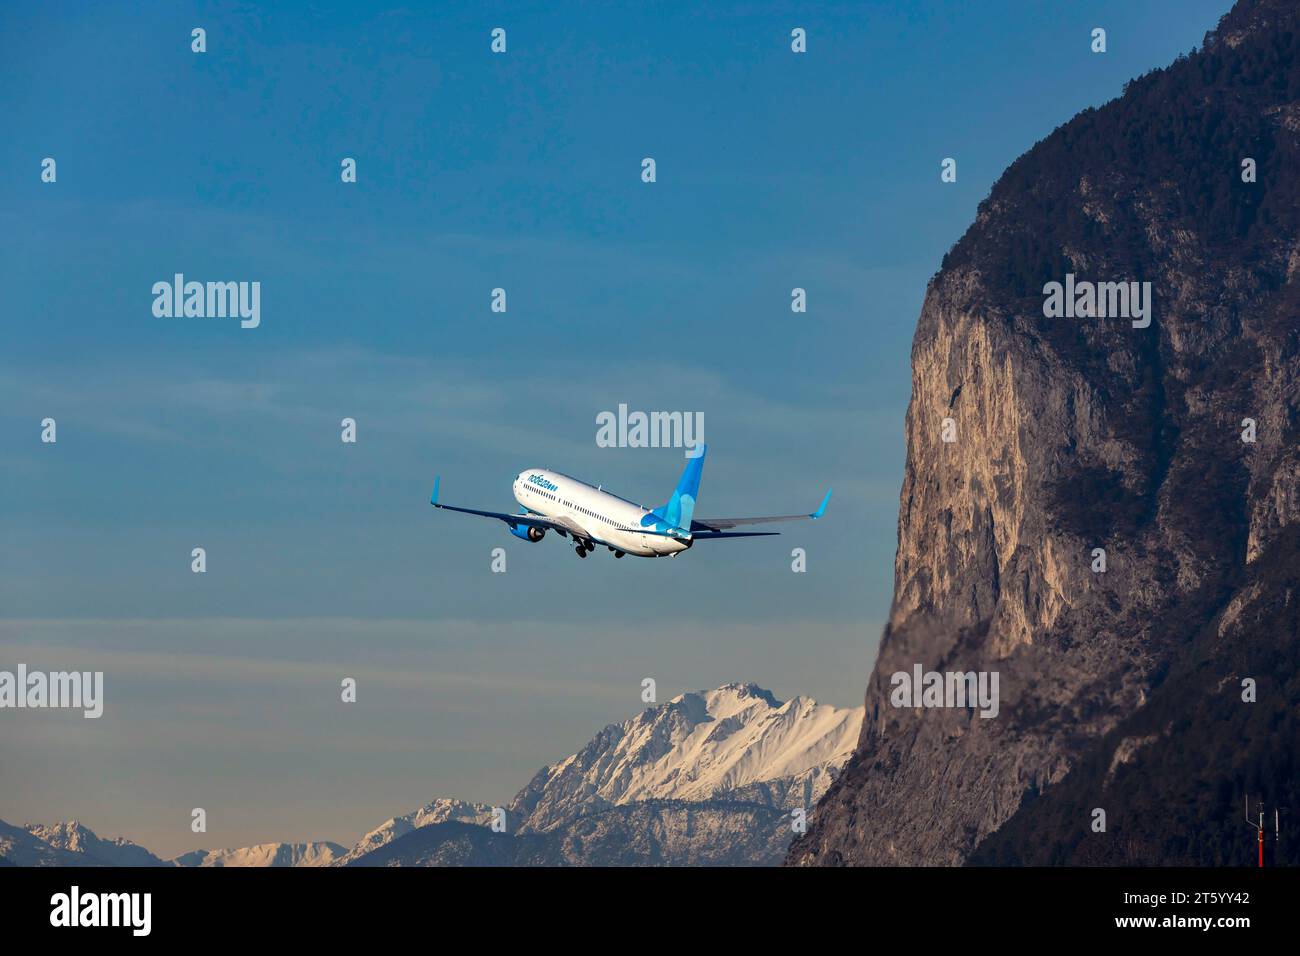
{"points": [[618, 554], [581, 551]]}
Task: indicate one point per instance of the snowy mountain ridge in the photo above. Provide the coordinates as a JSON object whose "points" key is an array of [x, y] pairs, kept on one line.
{"points": [[321, 853], [735, 742], [735, 751]]}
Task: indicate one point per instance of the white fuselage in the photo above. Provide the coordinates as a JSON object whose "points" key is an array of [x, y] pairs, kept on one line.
{"points": [[607, 519]]}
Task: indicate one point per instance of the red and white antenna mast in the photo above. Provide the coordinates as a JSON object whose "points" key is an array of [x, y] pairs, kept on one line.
{"points": [[1259, 827]]}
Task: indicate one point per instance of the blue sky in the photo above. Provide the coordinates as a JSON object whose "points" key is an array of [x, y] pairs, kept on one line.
{"points": [[475, 171]]}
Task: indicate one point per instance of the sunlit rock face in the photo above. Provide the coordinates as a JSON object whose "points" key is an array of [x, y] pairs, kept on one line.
{"points": [[1036, 439]]}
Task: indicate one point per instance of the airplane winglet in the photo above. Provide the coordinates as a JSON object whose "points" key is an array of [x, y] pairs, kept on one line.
{"points": [[433, 498], [822, 510]]}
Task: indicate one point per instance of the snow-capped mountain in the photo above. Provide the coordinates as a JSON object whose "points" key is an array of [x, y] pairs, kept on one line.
{"points": [[266, 854], [20, 848], [737, 742], [74, 844], [76, 838], [706, 779], [440, 811]]}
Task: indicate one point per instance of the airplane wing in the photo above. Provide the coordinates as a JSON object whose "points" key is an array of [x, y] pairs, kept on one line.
{"points": [[707, 535], [701, 527], [563, 525]]}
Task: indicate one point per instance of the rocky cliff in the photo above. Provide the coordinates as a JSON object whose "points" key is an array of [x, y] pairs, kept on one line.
{"points": [[1033, 441]]}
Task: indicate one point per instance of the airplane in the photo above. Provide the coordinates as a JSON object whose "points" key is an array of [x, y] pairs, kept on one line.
{"points": [[590, 516]]}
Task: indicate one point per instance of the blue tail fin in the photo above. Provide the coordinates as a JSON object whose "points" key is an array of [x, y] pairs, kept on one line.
{"points": [[681, 506]]}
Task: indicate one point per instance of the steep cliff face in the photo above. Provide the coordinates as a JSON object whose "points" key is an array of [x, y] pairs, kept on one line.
{"points": [[1072, 434]]}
